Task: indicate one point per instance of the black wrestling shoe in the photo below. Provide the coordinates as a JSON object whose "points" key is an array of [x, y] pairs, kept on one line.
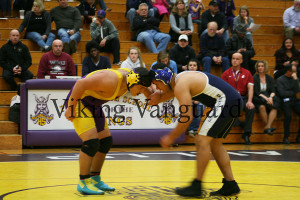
{"points": [[286, 141], [246, 138], [229, 188], [194, 190]]}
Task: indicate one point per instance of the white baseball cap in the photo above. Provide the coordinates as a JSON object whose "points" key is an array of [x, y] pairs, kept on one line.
{"points": [[183, 37]]}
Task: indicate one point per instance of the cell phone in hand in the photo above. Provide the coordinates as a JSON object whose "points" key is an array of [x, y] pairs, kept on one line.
{"points": [[17, 67]]}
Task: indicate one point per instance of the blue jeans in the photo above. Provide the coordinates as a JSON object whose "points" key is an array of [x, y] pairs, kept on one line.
{"points": [[207, 61], [36, 37], [131, 14], [198, 112], [65, 37], [225, 35], [150, 36], [249, 36], [102, 5]]}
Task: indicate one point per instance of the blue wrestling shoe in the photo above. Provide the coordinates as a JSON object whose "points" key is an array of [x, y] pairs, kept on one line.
{"points": [[96, 180], [87, 187]]}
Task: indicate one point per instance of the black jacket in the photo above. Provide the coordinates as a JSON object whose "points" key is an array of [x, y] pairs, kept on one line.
{"points": [[181, 55], [233, 44], [141, 24], [270, 85], [12, 55], [219, 18]]}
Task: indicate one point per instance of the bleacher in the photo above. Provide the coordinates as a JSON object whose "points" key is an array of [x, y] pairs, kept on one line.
{"points": [[266, 41]]}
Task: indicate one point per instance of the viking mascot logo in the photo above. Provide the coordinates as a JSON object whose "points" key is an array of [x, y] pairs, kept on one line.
{"points": [[41, 111]]}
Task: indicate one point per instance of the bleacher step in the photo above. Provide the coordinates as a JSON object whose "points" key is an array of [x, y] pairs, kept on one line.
{"points": [[10, 141]]}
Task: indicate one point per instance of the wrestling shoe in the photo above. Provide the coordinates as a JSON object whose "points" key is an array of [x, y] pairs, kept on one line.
{"points": [[194, 190], [86, 186], [96, 180], [229, 188]]}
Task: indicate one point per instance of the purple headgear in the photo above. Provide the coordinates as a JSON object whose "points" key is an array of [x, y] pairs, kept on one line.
{"points": [[163, 75]]}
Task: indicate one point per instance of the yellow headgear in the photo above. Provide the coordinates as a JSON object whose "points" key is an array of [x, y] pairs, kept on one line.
{"points": [[132, 79]]}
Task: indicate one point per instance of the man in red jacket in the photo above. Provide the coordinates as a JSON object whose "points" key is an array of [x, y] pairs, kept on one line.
{"points": [[56, 63]]}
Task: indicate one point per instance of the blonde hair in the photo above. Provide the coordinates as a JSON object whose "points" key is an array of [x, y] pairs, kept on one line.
{"points": [[40, 4], [139, 53], [265, 65], [175, 9]]}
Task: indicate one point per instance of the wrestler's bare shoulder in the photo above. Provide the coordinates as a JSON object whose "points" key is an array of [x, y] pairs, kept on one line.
{"points": [[191, 77]]}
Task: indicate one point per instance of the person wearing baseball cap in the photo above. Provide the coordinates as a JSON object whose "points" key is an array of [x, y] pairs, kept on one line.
{"points": [[106, 35], [238, 42], [182, 53], [213, 14]]}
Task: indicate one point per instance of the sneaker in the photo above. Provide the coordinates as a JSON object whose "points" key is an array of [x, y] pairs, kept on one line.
{"points": [[49, 48], [66, 48], [191, 133], [229, 188], [87, 187], [96, 180], [73, 46], [108, 9], [191, 191], [118, 63]]}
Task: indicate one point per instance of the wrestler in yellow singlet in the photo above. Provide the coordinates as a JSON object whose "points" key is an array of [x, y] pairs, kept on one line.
{"points": [[93, 116]]}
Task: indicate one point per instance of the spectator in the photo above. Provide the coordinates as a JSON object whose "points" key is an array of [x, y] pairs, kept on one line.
{"points": [[287, 54], [103, 6], [227, 7], [134, 59], [106, 35], [94, 61], [56, 63], [15, 59], [87, 9], [172, 2], [213, 14], [244, 18], [5, 7], [180, 22], [212, 48], [291, 20], [181, 53], [238, 43], [163, 57], [161, 8], [198, 108], [195, 7], [68, 23], [146, 30], [242, 80], [264, 97], [38, 26], [288, 87], [131, 9]]}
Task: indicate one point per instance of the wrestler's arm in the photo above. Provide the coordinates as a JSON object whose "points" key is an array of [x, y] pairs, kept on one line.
{"points": [[158, 96], [95, 82], [183, 95]]}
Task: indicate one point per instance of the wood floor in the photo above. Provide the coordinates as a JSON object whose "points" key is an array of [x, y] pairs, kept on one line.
{"points": [[263, 171]]}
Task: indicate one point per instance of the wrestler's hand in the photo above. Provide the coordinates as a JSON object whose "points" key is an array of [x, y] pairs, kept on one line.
{"points": [[70, 113], [166, 141], [155, 98]]}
